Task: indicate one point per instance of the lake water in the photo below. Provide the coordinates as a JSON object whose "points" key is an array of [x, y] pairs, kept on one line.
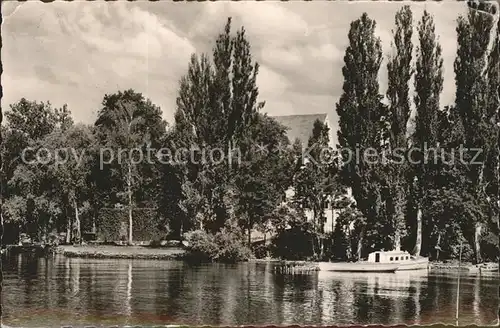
{"points": [[62, 291]]}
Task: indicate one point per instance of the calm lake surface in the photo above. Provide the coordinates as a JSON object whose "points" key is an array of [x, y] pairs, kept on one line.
{"points": [[52, 292]]}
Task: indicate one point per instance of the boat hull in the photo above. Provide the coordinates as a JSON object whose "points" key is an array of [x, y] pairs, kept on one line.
{"points": [[361, 266], [414, 264]]}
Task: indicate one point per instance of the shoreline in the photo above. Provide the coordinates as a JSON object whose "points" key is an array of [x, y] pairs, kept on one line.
{"points": [[121, 252], [177, 253]]}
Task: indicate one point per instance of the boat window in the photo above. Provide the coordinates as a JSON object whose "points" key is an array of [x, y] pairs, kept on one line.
{"points": [[407, 257], [391, 258], [397, 258]]}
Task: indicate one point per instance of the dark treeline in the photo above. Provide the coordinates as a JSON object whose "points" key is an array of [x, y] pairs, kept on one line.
{"points": [[427, 208]]}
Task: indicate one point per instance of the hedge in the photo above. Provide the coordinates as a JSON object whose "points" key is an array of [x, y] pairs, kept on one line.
{"points": [[112, 225]]}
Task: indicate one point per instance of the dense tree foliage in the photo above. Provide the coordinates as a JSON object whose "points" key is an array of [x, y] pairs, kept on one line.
{"points": [[478, 120], [447, 200], [428, 87], [400, 72], [360, 111], [126, 125], [314, 183]]}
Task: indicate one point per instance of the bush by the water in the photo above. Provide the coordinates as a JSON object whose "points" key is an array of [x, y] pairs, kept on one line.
{"points": [[225, 246]]}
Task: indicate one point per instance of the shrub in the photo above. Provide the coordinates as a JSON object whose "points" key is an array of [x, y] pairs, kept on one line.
{"points": [[225, 246], [232, 247], [201, 245]]}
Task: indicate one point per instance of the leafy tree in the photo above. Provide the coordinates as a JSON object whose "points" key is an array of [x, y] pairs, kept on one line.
{"points": [[35, 120], [314, 183], [344, 234], [493, 171], [71, 176], [443, 183], [472, 105], [128, 121], [216, 106], [28, 122], [400, 71], [34, 204], [428, 87], [31, 199], [360, 111], [262, 177]]}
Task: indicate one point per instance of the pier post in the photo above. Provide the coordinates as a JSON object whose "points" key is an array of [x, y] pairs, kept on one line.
{"points": [[458, 283]]}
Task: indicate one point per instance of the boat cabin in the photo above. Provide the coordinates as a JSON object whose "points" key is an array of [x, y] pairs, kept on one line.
{"points": [[389, 257]]}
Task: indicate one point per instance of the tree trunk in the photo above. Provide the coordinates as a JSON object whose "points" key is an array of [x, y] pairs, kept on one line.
{"points": [[249, 236], [333, 220], [315, 234], [266, 245], [397, 240], [360, 243], [77, 222], [348, 249], [477, 241], [438, 244], [68, 231], [479, 225], [68, 225], [418, 241], [399, 218], [321, 230], [129, 190], [313, 246], [94, 219], [321, 247]]}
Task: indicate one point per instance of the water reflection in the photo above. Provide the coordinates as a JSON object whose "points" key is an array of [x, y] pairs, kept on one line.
{"points": [[129, 289], [63, 291]]}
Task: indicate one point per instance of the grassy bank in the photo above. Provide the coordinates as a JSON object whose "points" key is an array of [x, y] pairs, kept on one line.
{"points": [[122, 252]]}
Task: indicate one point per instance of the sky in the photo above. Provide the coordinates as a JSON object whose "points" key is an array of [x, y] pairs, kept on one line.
{"points": [[76, 52]]}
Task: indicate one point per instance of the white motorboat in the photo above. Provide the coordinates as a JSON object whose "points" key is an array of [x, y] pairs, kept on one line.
{"points": [[403, 260]]}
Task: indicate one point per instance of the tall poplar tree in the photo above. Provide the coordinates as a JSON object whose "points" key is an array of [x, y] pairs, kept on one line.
{"points": [[428, 87], [216, 106], [493, 80], [472, 104], [400, 71], [360, 111]]}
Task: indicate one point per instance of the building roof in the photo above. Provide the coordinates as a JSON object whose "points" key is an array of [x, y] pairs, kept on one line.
{"points": [[300, 126]]}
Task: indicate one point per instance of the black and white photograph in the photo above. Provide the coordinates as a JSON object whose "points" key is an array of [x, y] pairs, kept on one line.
{"points": [[250, 163]]}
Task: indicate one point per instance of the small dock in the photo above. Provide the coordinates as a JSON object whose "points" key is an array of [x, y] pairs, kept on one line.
{"points": [[296, 267], [464, 268], [453, 267]]}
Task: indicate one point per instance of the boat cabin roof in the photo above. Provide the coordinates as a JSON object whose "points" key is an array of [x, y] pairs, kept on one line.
{"points": [[388, 256]]}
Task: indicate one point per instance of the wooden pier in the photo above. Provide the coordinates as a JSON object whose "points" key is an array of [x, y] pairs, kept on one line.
{"points": [[296, 267]]}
